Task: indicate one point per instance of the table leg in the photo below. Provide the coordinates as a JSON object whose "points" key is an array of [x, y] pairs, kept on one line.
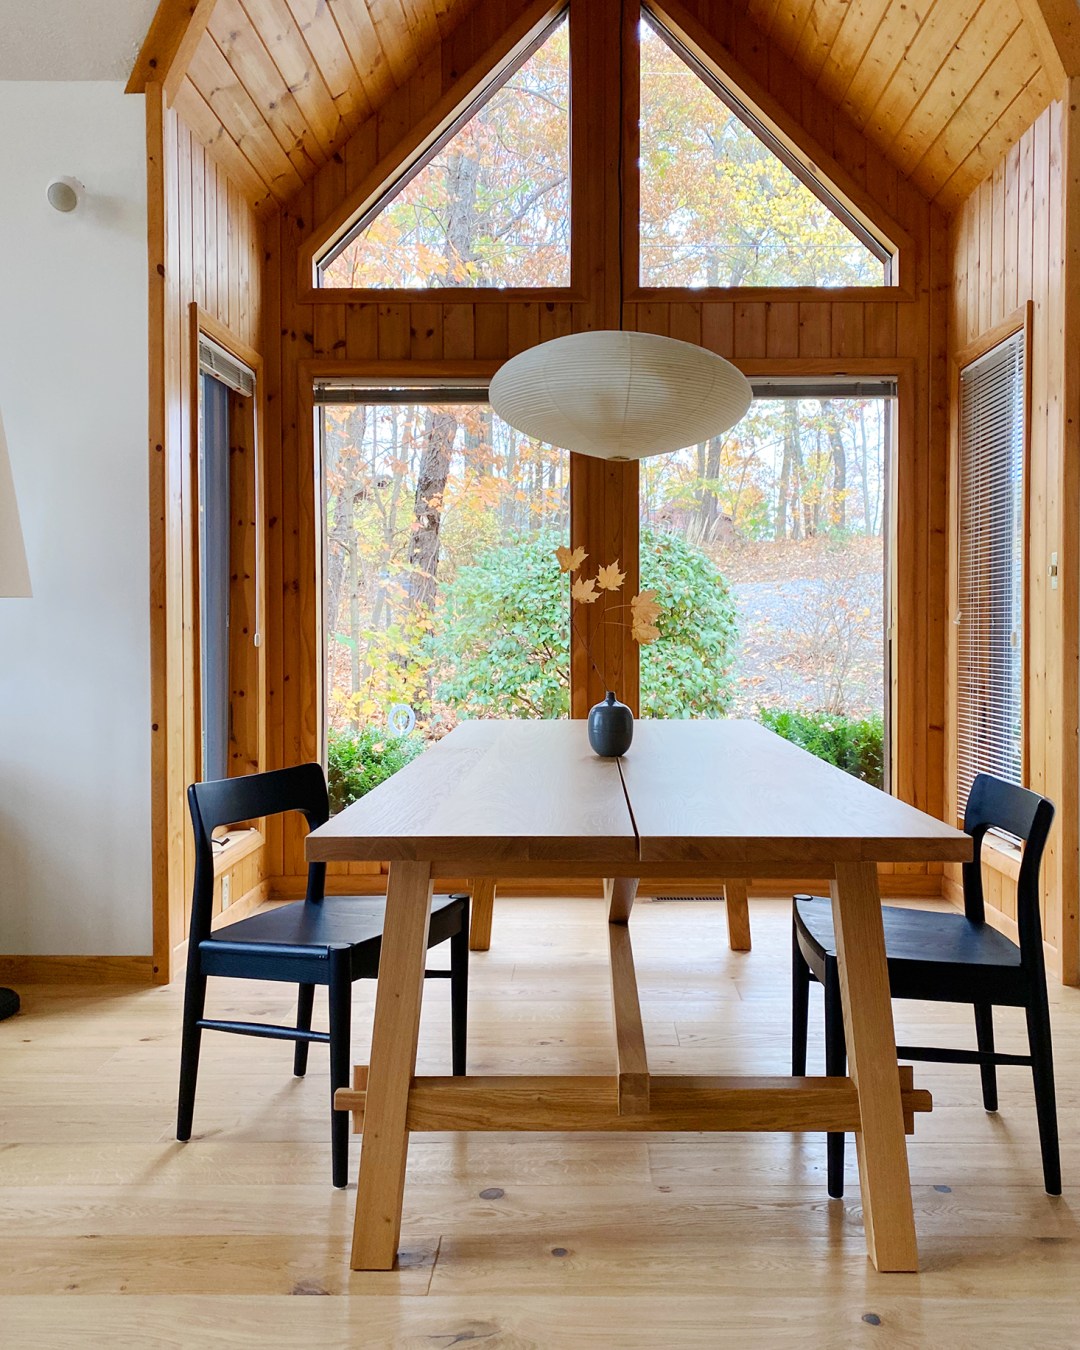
{"points": [[871, 1044], [393, 1061], [483, 905], [619, 894], [738, 916]]}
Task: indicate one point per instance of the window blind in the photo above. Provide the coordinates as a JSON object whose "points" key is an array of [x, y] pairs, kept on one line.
{"points": [[991, 566], [216, 361]]}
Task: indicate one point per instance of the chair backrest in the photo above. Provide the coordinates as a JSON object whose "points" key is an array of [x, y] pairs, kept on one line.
{"points": [[994, 804], [228, 800]]}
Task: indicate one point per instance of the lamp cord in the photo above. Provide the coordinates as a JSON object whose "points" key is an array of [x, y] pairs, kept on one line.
{"points": [[619, 160]]}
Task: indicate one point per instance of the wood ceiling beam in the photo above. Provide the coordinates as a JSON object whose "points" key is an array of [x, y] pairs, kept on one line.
{"points": [[1054, 26], [175, 31]]}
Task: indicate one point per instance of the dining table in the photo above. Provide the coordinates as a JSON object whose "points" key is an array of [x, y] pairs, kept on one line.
{"points": [[690, 799]]}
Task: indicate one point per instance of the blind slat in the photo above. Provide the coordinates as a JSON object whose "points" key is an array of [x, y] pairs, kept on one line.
{"points": [[990, 566]]}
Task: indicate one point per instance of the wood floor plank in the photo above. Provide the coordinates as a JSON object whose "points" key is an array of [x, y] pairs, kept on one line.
{"points": [[115, 1235]]}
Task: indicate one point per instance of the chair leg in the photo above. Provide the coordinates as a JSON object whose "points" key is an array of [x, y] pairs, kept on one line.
{"points": [[1042, 1072], [304, 1003], [459, 993], [800, 1005], [984, 1034], [340, 999], [190, 1044], [835, 1067]]}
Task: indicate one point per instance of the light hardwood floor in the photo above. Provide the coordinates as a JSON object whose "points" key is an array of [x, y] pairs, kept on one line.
{"points": [[111, 1233]]}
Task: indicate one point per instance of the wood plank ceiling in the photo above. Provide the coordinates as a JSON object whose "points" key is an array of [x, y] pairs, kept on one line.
{"points": [[275, 87], [942, 88]]}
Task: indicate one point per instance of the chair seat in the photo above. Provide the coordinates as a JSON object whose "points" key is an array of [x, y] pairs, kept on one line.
{"points": [[307, 931], [921, 945]]}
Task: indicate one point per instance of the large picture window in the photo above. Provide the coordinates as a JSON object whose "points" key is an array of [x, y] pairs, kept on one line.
{"points": [[990, 566], [443, 596], [768, 546]]}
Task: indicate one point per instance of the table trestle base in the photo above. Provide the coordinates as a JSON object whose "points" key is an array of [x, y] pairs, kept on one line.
{"points": [[592, 1103]]}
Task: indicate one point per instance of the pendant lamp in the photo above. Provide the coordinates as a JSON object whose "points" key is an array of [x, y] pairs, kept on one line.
{"points": [[620, 395]]}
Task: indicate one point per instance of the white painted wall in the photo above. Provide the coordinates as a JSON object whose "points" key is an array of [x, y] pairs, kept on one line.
{"points": [[74, 660]]}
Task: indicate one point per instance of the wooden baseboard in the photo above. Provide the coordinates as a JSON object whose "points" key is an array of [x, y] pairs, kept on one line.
{"points": [[76, 969]]}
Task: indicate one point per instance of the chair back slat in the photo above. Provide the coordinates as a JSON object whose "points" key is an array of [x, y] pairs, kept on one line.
{"points": [[227, 800], [994, 804]]}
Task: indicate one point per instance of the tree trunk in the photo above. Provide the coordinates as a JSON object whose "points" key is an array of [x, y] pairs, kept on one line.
{"points": [[430, 488], [869, 523], [838, 506], [790, 476], [708, 506], [462, 176]]}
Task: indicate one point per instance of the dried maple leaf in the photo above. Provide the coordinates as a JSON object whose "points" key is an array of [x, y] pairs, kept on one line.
{"points": [[585, 592], [644, 632], [610, 578], [644, 609], [570, 559]]}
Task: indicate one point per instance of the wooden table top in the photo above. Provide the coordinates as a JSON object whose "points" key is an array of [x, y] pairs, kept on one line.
{"points": [[512, 790], [737, 794], [725, 792]]}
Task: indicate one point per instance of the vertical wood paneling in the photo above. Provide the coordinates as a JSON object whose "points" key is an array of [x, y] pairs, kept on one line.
{"points": [[197, 222], [1008, 250]]}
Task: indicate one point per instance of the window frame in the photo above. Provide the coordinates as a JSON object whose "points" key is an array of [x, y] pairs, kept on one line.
{"points": [[739, 92], [464, 382], [758, 127], [313, 259], [889, 381], [1017, 324], [247, 664]]}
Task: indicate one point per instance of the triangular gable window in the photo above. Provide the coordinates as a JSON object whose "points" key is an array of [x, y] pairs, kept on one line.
{"points": [[723, 202], [489, 203]]}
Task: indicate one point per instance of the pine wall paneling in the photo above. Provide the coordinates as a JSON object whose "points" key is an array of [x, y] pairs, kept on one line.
{"points": [[901, 328], [1013, 244], [205, 245]]}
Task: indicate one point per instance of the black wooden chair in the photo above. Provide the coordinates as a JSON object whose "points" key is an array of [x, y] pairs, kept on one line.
{"points": [[950, 958], [322, 939]]}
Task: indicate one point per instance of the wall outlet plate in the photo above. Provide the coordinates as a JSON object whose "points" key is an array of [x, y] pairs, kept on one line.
{"points": [[226, 891]]}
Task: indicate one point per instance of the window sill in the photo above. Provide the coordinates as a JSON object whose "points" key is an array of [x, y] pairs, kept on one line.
{"points": [[235, 846], [1002, 857]]}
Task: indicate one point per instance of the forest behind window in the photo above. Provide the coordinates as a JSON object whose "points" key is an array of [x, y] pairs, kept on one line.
{"points": [[444, 598], [492, 206], [769, 541], [718, 207]]}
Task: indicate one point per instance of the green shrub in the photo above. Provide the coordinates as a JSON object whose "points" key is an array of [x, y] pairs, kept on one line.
{"points": [[361, 760], [686, 672], [854, 744]]}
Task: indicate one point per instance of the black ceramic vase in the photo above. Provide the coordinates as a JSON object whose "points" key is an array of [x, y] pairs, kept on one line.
{"points": [[611, 727]]}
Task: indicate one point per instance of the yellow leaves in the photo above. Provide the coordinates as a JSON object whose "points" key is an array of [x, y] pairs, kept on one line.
{"points": [[644, 632], [609, 578], [585, 592], [643, 611], [643, 607]]}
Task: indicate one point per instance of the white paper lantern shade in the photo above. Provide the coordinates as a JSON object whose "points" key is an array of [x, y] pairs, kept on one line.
{"points": [[620, 395]]}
